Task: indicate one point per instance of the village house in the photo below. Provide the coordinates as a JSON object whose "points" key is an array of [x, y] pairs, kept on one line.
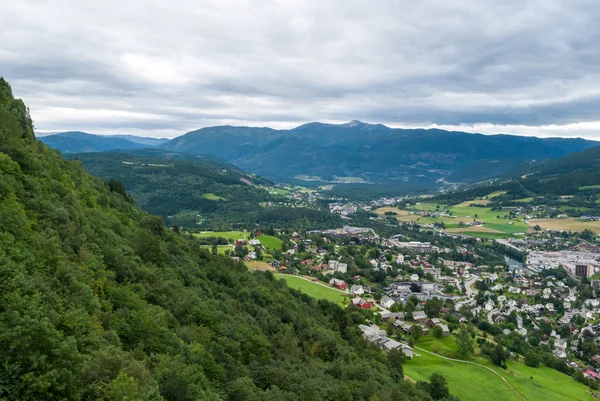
{"points": [[357, 290], [339, 284], [362, 303]]}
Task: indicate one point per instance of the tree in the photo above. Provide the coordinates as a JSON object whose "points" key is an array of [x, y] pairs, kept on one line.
{"points": [[532, 359], [465, 345], [416, 332], [438, 387], [437, 332], [499, 355], [433, 307]]}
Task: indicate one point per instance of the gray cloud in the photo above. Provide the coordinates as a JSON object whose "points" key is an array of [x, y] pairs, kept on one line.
{"points": [[163, 68]]}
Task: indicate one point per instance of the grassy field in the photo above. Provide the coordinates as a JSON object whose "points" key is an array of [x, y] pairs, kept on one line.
{"points": [[212, 196], [259, 265], [566, 224], [590, 187], [318, 291], [468, 382], [535, 384], [524, 200], [270, 242], [494, 225], [497, 193], [234, 235], [220, 248]]}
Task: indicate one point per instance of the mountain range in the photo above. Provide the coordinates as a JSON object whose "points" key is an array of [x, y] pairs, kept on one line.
{"points": [[358, 152], [81, 142]]}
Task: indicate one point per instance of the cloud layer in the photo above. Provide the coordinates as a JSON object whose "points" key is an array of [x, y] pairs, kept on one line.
{"points": [[164, 68]]}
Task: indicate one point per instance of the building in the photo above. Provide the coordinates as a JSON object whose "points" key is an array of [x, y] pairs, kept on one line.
{"points": [[387, 302], [362, 303], [339, 284], [582, 270], [357, 290], [377, 336]]}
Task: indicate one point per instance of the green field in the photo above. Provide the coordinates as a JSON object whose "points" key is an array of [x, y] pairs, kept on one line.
{"points": [[590, 187], [212, 196], [494, 227], [220, 248], [315, 290], [524, 200], [468, 382], [535, 384], [234, 235], [270, 242]]}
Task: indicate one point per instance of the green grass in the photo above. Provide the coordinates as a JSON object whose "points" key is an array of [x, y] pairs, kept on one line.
{"points": [[497, 193], [430, 207], [234, 235], [589, 187], [315, 290], [543, 383], [280, 191], [524, 200], [535, 384], [212, 196], [220, 248], [468, 382], [270, 242]]}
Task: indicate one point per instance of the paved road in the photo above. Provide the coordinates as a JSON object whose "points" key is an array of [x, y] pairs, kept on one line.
{"points": [[471, 292], [477, 364]]}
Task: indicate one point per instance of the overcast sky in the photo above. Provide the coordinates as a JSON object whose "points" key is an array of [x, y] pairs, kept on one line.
{"points": [[162, 68]]}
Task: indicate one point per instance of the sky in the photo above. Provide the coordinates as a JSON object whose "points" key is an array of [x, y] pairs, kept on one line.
{"points": [[163, 68]]}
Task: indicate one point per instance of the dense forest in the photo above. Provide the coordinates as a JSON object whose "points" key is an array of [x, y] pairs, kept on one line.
{"points": [[99, 300], [185, 189]]}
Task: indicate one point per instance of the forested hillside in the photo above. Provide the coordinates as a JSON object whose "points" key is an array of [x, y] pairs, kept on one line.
{"points": [[185, 189], [98, 300], [78, 142]]}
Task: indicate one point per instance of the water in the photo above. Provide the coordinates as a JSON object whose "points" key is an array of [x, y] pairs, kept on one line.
{"points": [[513, 264]]}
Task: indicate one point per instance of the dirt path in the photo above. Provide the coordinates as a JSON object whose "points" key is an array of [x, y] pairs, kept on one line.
{"points": [[476, 364]]}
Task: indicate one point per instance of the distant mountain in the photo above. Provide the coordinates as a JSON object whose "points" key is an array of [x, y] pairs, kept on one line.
{"points": [[371, 152], [81, 142]]}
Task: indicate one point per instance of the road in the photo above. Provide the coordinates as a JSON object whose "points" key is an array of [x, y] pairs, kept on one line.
{"points": [[471, 292]]}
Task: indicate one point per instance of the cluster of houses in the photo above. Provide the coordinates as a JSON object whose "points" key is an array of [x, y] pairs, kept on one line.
{"points": [[404, 290], [420, 319], [375, 335]]}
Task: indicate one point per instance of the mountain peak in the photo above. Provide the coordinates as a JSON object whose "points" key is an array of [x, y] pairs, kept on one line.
{"points": [[355, 123]]}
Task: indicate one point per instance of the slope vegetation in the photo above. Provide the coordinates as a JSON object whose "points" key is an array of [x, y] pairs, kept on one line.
{"points": [[100, 301]]}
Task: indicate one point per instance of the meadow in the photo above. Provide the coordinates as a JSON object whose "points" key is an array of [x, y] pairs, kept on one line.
{"points": [[270, 242], [472, 382], [212, 196], [234, 235], [315, 290]]}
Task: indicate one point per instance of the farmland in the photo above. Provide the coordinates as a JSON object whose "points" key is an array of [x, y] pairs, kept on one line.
{"points": [[570, 224], [461, 217], [315, 290]]}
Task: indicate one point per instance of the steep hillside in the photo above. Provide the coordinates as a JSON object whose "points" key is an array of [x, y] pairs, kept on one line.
{"points": [[170, 185], [375, 153], [79, 142], [99, 301]]}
